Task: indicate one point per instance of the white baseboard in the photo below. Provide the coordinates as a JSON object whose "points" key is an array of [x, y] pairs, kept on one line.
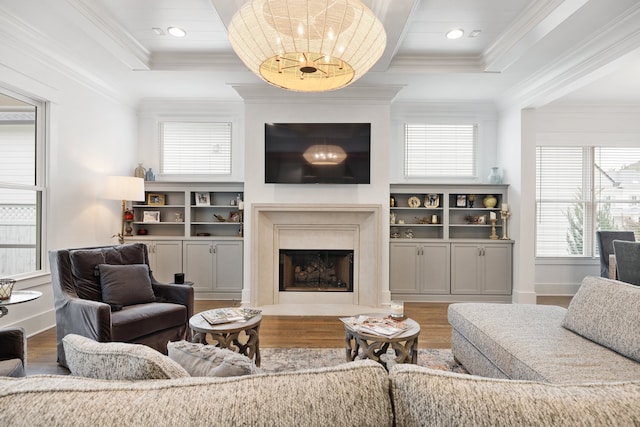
{"points": [[557, 289]]}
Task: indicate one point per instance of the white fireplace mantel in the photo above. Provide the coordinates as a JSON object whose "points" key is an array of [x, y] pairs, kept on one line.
{"points": [[315, 226]]}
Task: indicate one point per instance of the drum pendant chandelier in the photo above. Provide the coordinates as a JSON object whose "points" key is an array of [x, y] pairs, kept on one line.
{"points": [[307, 45]]}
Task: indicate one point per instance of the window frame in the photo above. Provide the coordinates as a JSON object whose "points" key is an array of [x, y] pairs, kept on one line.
{"points": [[39, 186], [590, 200]]}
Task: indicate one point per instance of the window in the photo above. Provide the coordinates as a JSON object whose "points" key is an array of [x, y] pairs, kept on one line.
{"points": [[21, 185], [195, 148], [580, 190], [440, 151]]}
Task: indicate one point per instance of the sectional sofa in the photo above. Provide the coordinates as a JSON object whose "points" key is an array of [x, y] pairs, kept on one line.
{"points": [[596, 339]]}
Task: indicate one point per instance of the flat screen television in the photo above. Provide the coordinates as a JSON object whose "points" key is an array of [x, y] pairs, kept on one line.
{"points": [[317, 153]]}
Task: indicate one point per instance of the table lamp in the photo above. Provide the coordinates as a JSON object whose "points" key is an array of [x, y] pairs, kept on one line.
{"points": [[124, 188]]}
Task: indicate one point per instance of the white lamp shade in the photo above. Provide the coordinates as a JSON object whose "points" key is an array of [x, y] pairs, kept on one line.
{"points": [[307, 45], [124, 188]]}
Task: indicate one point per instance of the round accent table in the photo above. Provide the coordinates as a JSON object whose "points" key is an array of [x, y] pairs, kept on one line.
{"points": [[227, 335], [370, 346], [18, 297]]}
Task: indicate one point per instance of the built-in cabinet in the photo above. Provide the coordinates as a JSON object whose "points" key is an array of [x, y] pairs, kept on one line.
{"points": [[194, 228], [449, 240]]}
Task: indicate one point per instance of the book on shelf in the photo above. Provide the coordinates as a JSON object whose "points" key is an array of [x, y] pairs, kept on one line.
{"points": [[381, 326], [217, 316]]}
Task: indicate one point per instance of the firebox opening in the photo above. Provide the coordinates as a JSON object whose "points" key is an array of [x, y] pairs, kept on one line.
{"points": [[313, 270]]}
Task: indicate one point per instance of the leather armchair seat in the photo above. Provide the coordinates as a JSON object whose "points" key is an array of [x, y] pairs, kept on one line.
{"points": [[80, 309]]}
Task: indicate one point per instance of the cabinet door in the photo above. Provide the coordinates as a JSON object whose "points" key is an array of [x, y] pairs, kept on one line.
{"points": [[497, 269], [403, 268], [227, 266], [465, 269], [198, 264], [167, 256], [435, 272]]}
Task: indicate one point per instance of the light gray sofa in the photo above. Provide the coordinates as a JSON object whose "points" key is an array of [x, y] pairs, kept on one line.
{"points": [[596, 339], [358, 393]]}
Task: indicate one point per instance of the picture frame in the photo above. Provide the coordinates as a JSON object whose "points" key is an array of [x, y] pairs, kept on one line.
{"points": [[203, 198], [156, 199], [461, 201], [151, 216], [432, 201]]}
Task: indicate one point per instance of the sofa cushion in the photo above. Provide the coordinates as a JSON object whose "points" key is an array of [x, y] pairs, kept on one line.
{"points": [[422, 396], [608, 313], [137, 320], [84, 261], [354, 394], [117, 361], [527, 342], [209, 361], [125, 284], [12, 368]]}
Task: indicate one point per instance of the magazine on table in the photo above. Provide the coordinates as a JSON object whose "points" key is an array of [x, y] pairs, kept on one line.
{"points": [[382, 326], [217, 316]]}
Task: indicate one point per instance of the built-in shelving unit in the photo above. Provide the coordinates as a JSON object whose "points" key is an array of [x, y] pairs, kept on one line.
{"points": [[442, 245]]}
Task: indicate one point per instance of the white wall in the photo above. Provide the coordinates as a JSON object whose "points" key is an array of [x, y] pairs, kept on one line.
{"points": [[92, 134]]}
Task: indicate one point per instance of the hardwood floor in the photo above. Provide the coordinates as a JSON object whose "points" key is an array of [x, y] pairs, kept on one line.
{"points": [[286, 331]]}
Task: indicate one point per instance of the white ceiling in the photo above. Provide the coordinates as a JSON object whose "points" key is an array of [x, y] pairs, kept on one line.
{"points": [[528, 51]]}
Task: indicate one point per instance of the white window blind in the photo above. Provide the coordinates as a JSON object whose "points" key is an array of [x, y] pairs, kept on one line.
{"points": [[580, 190], [195, 148], [440, 150]]}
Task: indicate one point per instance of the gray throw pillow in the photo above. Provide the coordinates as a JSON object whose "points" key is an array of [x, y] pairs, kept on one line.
{"points": [[201, 360], [126, 284], [117, 361], [608, 313]]}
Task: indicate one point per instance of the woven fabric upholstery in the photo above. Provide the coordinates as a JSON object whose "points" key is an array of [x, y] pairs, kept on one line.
{"points": [[607, 312], [425, 397], [355, 394], [117, 361]]}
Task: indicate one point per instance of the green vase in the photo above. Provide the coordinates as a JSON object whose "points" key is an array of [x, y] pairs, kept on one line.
{"points": [[490, 201]]}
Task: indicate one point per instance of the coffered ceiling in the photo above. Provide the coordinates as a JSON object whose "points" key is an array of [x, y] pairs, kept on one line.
{"points": [[527, 52]]}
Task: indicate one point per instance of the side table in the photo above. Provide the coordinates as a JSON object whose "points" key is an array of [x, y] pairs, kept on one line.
{"points": [[371, 346], [227, 335], [18, 297]]}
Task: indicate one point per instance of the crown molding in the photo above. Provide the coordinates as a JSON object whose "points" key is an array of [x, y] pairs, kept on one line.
{"points": [[271, 94], [110, 34], [532, 25], [437, 64], [196, 61], [33, 43], [603, 51]]}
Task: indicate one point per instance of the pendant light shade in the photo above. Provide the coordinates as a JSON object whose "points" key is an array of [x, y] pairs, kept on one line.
{"points": [[307, 45]]}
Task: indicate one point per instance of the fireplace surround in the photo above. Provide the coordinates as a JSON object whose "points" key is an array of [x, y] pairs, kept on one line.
{"points": [[353, 227]]}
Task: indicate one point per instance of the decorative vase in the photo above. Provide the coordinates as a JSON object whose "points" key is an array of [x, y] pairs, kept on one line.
{"points": [[140, 171], [495, 177], [150, 176], [489, 201]]}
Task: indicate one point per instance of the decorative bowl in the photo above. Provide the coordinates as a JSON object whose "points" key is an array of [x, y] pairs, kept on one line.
{"points": [[6, 287]]}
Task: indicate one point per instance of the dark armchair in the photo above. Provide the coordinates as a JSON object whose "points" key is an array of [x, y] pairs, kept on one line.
{"points": [[13, 352], [109, 294], [628, 261], [605, 247]]}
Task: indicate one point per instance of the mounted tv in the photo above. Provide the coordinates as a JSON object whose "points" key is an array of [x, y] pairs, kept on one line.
{"points": [[317, 153]]}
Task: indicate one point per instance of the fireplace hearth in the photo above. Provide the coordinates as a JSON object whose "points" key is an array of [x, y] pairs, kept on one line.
{"points": [[313, 270]]}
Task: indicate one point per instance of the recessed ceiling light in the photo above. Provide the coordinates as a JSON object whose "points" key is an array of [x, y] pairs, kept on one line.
{"points": [[474, 33], [456, 33], [176, 32]]}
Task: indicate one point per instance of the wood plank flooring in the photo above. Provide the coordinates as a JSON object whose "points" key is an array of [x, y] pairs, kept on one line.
{"points": [[287, 331]]}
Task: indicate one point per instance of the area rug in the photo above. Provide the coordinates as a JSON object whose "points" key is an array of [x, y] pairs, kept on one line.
{"points": [[294, 359]]}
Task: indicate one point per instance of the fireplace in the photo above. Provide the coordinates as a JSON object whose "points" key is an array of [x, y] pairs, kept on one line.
{"points": [[316, 270]]}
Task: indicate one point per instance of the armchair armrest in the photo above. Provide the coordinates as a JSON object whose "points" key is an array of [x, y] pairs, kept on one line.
{"points": [[91, 319], [12, 344], [178, 294]]}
